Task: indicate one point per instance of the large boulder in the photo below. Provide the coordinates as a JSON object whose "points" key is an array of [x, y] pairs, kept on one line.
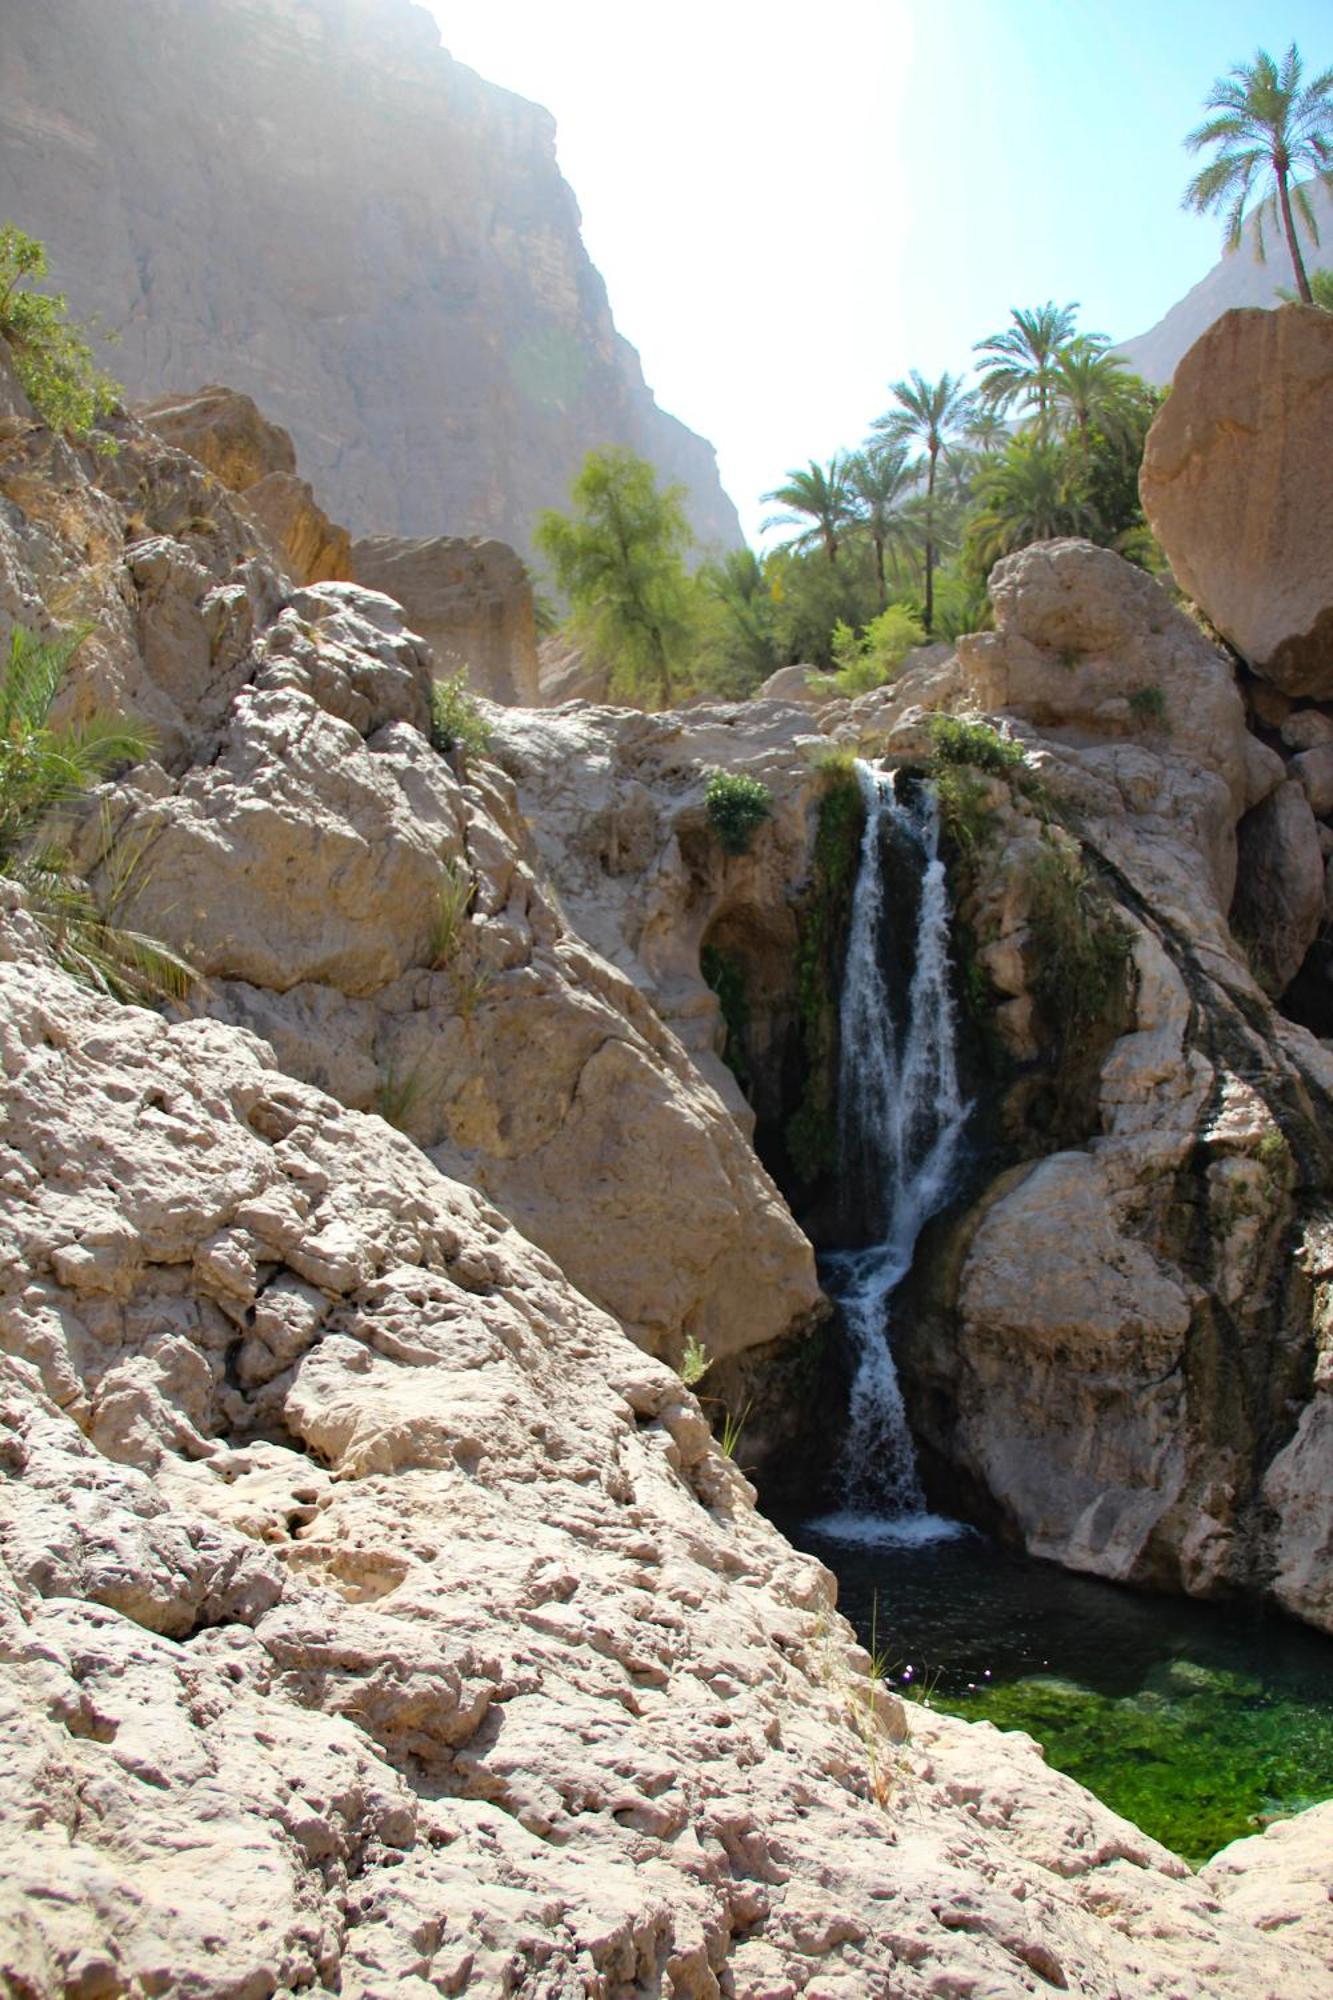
{"points": [[1237, 483], [471, 601], [228, 435], [1091, 649], [225, 431]]}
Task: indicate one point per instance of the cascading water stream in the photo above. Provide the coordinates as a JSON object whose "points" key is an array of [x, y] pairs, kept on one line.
{"points": [[902, 1116]]}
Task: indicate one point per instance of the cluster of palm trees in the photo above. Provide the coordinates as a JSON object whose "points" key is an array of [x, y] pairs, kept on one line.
{"points": [[1048, 439], [994, 464]]}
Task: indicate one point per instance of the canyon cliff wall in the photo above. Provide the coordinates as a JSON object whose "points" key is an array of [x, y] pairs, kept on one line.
{"points": [[312, 201]]}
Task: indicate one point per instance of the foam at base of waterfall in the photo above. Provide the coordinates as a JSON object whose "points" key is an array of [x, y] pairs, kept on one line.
{"points": [[887, 1530]]}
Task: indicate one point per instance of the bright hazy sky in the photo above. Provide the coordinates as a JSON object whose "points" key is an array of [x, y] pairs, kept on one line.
{"points": [[792, 205]]}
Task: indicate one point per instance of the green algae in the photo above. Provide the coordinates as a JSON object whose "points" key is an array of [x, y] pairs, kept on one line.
{"points": [[1198, 1722], [1197, 1757]]}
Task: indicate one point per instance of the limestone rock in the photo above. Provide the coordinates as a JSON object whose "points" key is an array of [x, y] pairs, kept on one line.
{"points": [[471, 601], [1086, 646], [311, 547], [227, 434], [225, 431], [1280, 886], [1237, 488], [1280, 1881], [789, 684], [410, 1635], [565, 673]]}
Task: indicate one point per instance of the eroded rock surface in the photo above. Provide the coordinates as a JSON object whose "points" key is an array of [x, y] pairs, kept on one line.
{"points": [[227, 434], [471, 601], [1237, 488], [379, 1620], [375, 911]]}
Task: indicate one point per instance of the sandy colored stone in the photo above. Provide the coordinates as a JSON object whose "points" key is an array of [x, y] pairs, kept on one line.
{"points": [[225, 431], [565, 673], [447, 1654], [1088, 646], [471, 601], [311, 548], [1237, 488]]}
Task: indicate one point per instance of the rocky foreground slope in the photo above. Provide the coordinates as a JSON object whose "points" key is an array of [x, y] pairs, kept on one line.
{"points": [[378, 1619]]}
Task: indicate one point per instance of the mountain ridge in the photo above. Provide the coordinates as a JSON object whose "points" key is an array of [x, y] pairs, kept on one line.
{"points": [[1239, 278]]}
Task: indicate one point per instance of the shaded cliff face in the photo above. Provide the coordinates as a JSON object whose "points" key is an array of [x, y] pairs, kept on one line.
{"points": [[311, 200]]}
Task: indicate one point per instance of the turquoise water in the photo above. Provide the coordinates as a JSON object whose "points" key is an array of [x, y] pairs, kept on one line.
{"points": [[1198, 1722]]}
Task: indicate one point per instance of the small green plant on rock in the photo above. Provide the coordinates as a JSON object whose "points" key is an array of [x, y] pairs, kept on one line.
{"points": [[398, 1095], [453, 900], [52, 358], [737, 807], [456, 723], [965, 739], [45, 774], [695, 1362], [1148, 704]]}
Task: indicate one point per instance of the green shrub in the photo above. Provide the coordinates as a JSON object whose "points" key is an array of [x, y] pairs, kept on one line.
{"points": [[967, 815], [962, 739], [52, 358], [737, 807], [45, 774], [456, 723], [1148, 704], [871, 659]]}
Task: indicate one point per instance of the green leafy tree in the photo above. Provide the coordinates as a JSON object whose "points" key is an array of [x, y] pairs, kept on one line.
{"points": [[1266, 129], [619, 559], [879, 481], [933, 416], [810, 596], [51, 357], [1018, 365], [45, 773], [819, 496]]}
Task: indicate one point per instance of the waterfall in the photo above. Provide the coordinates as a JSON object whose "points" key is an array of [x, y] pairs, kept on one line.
{"points": [[902, 1115]]}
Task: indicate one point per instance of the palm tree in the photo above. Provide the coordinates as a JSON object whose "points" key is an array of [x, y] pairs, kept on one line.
{"points": [[818, 496], [1087, 391], [1266, 129], [878, 479], [987, 430], [1026, 495], [932, 415], [1018, 364]]}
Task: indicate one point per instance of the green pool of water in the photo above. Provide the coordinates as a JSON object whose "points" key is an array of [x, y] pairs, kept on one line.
{"points": [[1199, 1723]]}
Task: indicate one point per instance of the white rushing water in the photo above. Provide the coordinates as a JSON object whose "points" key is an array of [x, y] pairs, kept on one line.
{"points": [[902, 1115]]}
